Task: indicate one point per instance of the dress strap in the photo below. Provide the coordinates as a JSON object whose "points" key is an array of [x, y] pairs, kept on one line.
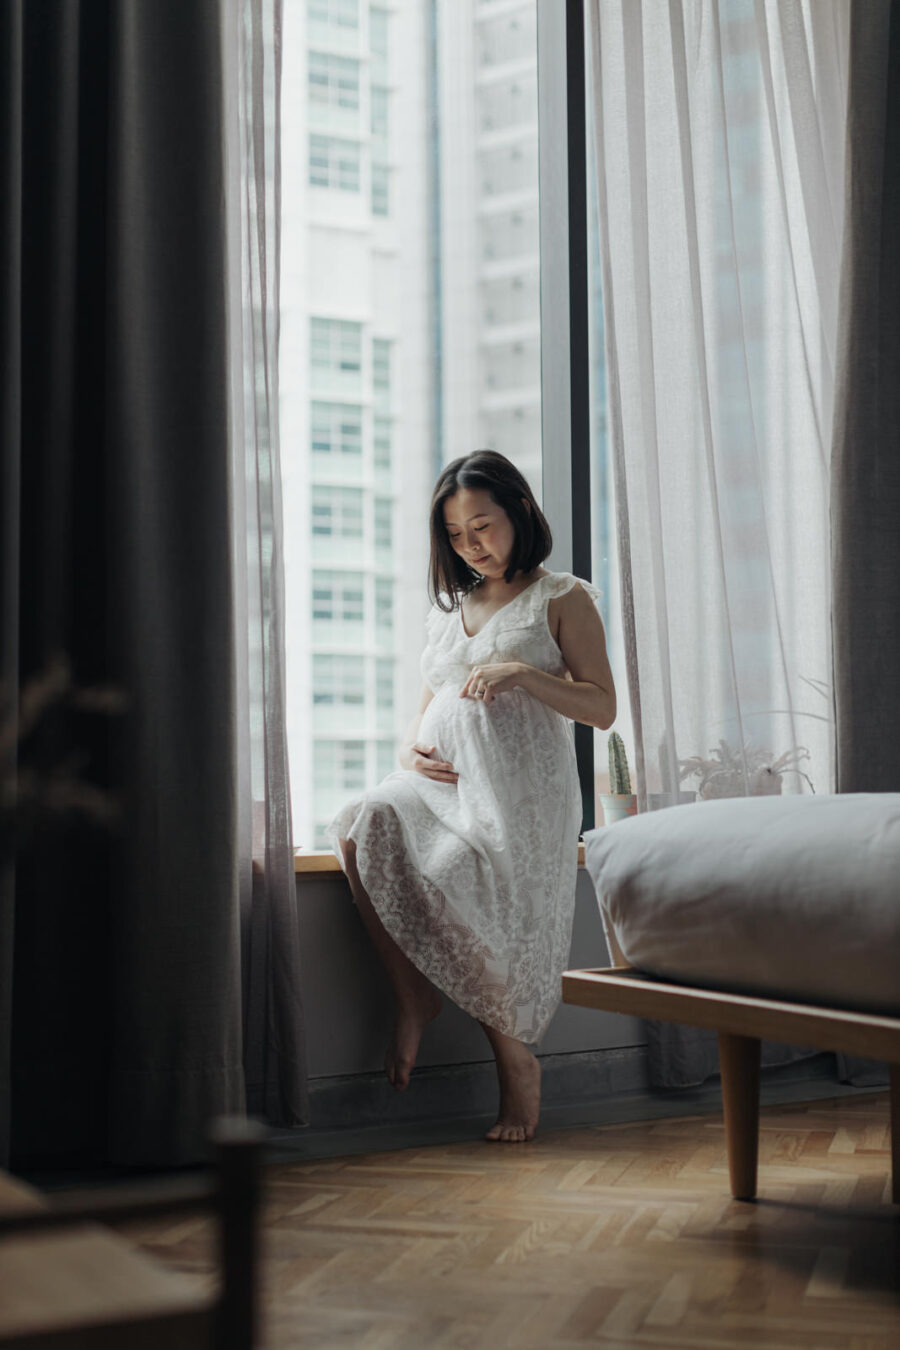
{"points": [[555, 584]]}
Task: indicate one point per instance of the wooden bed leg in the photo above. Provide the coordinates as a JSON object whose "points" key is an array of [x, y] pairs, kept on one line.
{"points": [[895, 1133], [739, 1065]]}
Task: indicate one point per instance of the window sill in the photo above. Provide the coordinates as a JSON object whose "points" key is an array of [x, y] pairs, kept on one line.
{"points": [[309, 864]]}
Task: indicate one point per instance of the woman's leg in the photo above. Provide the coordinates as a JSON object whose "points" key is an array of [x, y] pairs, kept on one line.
{"points": [[417, 1000], [520, 1089]]}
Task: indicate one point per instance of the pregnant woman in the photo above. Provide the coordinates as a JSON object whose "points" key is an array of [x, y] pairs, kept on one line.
{"points": [[463, 862]]}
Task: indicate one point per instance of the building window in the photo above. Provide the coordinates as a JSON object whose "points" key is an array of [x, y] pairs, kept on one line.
{"points": [[337, 13], [384, 602], [335, 347], [338, 595], [337, 512], [381, 429], [378, 107], [333, 81], [336, 429], [383, 522], [381, 188], [381, 372], [378, 45], [367, 410], [334, 163], [340, 764], [338, 680], [385, 758], [384, 685]]}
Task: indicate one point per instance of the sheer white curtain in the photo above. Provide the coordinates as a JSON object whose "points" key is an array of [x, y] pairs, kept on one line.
{"points": [[719, 130], [274, 1045]]}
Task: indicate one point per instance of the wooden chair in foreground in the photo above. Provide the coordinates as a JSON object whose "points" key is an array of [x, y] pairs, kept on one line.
{"points": [[742, 1022], [66, 1283]]}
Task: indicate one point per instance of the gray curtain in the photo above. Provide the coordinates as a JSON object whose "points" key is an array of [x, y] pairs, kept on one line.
{"points": [[125, 952], [865, 463]]}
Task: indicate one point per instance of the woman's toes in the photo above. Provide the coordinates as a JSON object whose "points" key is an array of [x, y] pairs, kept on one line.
{"points": [[509, 1134]]}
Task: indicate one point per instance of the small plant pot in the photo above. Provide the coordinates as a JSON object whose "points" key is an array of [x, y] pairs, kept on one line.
{"points": [[617, 806]]}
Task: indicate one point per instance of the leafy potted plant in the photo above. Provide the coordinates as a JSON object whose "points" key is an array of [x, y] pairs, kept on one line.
{"points": [[731, 772], [620, 801]]}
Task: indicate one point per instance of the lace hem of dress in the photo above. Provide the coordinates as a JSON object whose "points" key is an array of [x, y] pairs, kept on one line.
{"points": [[416, 914]]}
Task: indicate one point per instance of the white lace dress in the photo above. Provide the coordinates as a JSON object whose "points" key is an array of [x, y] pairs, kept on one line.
{"points": [[475, 881]]}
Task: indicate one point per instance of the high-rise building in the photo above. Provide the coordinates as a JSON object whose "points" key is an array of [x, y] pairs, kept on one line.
{"points": [[410, 335]]}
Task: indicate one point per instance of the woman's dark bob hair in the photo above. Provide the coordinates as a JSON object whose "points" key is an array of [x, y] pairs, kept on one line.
{"points": [[450, 575]]}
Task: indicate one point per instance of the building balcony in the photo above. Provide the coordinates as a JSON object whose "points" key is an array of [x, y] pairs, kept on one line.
{"points": [[493, 71], [497, 269], [522, 133], [506, 400], [517, 200], [503, 335]]}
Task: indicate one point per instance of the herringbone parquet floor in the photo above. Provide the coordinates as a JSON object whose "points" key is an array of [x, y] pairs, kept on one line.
{"points": [[618, 1235]]}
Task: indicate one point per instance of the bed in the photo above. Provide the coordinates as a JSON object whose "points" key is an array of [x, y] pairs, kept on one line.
{"points": [[763, 919]]}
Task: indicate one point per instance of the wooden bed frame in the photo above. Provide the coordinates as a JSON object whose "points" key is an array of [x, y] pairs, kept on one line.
{"points": [[742, 1022]]}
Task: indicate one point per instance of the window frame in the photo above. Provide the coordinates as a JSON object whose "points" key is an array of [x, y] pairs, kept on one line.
{"points": [[564, 282]]}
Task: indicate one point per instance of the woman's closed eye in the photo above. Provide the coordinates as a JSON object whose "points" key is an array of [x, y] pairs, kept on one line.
{"points": [[478, 529]]}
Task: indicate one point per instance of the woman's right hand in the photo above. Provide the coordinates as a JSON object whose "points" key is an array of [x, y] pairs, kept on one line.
{"points": [[425, 763]]}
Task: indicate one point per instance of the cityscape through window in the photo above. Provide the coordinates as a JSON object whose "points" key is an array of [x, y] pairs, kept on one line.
{"points": [[410, 335]]}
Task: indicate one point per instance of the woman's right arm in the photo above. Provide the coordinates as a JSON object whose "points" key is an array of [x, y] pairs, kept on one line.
{"points": [[419, 757]]}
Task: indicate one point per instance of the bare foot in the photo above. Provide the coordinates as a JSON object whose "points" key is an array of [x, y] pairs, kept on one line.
{"points": [[520, 1095], [412, 1017]]}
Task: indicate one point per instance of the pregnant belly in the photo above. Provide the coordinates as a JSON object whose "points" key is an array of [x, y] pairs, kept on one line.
{"points": [[512, 736]]}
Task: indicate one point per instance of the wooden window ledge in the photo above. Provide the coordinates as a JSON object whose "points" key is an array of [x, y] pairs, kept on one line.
{"points": [[317, 864]]}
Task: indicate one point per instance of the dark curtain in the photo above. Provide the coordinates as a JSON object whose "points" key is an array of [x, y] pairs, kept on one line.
{"points": [[865, 465], [121, 967]]}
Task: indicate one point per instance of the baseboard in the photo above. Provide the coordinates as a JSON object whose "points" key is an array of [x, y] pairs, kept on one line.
{"points": [[362, 1113]]}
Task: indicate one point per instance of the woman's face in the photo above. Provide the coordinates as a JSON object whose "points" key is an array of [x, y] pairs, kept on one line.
{"points": [[480, 531]]}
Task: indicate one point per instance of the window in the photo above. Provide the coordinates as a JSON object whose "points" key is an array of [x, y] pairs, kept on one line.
{"points": [[337, 511], [381, 442], [338, 596], [334, 163], [339, 764], [384, 509], [381, 373], [381, 186], [384, 685], [384, 374], [335, 348], [385, 758], [384, 603], [333, 82], [378, 44], [336, 429], [507, 105], [338, 680], [337, 13], [509, 168], [378, 106], [509, 37]]}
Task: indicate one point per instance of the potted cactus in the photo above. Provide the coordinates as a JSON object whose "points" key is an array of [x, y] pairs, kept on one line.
{"points": [[620, 801]]}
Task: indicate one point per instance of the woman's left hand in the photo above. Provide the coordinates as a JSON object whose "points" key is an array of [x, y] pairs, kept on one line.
{"points": [[485, 682]]}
